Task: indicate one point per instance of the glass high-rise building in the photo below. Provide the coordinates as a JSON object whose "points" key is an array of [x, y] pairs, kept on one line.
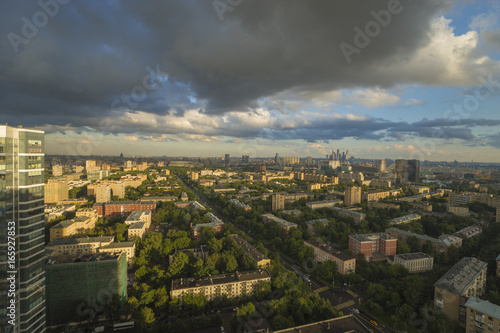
{"points": [[22, 230]]}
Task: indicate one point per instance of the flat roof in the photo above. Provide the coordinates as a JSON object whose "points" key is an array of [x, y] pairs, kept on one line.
{"points": [[82, 258], [371, 237], [485, 307], [405, 218], [180, 284], [115, 245], [322, 246], [249, 249], [413, 256], [137, 225], [81, 240], [458, 279]]}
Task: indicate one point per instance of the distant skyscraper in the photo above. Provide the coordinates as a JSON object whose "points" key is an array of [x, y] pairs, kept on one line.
{"points": [[338, 154], [352, 195], [309, 160], [22, 218], [245, 159], [227, 157], [277, 159], [407, 171], [347, 155], [382, 165]]}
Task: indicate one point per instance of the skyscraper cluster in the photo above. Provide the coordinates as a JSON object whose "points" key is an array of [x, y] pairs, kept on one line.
{"points": [[340, 156]]}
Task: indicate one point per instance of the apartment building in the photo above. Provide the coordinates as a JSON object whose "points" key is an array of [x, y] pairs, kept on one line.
{"points": [[120, 247], [278, 201], [417, 262], [117, 188], [352, 195], [375, 246], [215, 224], [88, 212], [139, 216], [310, 224], [57, 170], [192, 204], [198, 252], [383, 205], [56, 190], [405, 219], [240, 205], [230, 285], [375, 196], [481, 316], [259, 257], [468, 232], [466, 279], [345, 263], [102, 193], [75, 246], [285, 225], [440, 244], [123, 208], [136, 230], [323, 204], [76, 226], [355, 215], [458, 210]]}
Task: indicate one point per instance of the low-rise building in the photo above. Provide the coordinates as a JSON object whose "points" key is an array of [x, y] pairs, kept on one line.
{"points": [[54, 212], [139, 216], [323, 204], [121, 247], [240, 205], [56, 190], [310, 224], [123, 208], [76, 246], [285, 225], [384, 205], [215, 224], [136, 230], [76, 226], [198, 252], [346, 264], [230, 285], [466, 279], [458, 210], [374, 247], [355, 215], [440, 244], [375, 196], [195, 205], [481, 316], [417, 262], [405, 219], [468, 232], [259, 257]]}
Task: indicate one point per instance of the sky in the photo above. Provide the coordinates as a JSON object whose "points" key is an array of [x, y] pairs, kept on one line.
{"points": [[383, 79]]}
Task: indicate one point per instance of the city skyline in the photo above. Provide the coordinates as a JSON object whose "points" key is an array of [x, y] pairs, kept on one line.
{"points": [[387, 79]]}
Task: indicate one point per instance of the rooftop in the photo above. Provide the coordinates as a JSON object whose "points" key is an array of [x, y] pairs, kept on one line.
{"points": [[371, 237], [82, 258], [81, 240], [413, 256], [485, 307], [330, 250], [117, 245], [137, 225], [446, 240], [458, 279], [138, 214], [278, 220], [249, 249], [180, 284], [406, 218]]}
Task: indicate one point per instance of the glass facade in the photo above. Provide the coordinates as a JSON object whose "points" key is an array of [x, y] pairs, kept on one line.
{"points": [[22, 230]]}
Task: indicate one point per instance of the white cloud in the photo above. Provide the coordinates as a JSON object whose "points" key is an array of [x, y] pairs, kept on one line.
{"points": [[371, 98], [130, 138]]}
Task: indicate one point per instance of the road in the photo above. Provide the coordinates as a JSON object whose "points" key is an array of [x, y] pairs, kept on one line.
{"points": [[335, 297]]}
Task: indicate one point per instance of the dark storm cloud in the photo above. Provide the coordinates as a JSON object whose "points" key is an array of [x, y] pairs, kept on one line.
{"points": [[92, 52]]}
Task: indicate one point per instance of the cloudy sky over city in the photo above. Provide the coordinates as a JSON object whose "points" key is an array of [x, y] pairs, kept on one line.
{"points": [[398, 79]]}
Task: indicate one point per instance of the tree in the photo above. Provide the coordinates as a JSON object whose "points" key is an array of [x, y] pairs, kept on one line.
{"points": [[146, 319]]}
